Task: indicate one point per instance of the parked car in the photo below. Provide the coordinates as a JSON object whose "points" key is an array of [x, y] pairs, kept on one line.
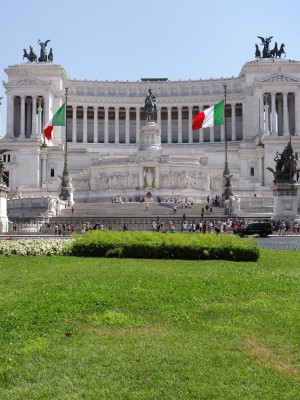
{"points": [[263, 229]]}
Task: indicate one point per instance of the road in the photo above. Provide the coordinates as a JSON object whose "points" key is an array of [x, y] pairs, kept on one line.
{"points": [[280, 242]]}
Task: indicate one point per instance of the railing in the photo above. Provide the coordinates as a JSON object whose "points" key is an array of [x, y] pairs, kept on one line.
{"points": [[76, 224]]}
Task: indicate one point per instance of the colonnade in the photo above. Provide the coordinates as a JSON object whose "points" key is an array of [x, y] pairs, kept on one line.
{"points": [[280, 113], [30, 113]]}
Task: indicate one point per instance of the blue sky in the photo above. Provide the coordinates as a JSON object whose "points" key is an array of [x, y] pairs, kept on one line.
{"points": [[132, 39]]}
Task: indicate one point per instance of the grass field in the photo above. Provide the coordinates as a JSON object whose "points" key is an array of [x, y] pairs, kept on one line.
{"points": [[75, 328]]}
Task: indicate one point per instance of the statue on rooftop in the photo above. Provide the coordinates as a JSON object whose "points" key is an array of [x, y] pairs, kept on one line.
{"points": [[267, 53], [43, 55]]}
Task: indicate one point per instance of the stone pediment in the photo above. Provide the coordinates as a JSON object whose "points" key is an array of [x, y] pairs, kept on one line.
{"points": [[27, 81], [280, 78]]}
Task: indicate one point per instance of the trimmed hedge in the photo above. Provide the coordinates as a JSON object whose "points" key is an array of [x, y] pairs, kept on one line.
{"points": [[165, 246]]}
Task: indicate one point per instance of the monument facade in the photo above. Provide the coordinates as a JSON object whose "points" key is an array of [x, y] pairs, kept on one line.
{"points": [[129, 138]]}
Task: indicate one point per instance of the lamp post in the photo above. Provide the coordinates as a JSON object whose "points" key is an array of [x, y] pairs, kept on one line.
{"points": [[226, 174]]}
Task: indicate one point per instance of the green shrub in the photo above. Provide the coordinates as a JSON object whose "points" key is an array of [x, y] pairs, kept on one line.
{"points": [[165, 246]]}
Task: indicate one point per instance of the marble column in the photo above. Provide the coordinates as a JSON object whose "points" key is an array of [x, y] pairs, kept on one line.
{"points": [[33, 122], [28, 118], [233, 122], [267, 114], [280, 115], [95, 140], [46, 111], [285, 116], [262, 113], [273, 110], [85, 107], [127, 121], [297, 114], [117, 125], [22, 122], [159, 116], [138, 125], [169, 125], [106, 124], [10, 115], [190, 124], [74, 123], [40, 102], [179, 113], [201, 131]]}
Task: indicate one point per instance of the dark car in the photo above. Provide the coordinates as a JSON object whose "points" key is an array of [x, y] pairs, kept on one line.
{"points": [[263, 229]]}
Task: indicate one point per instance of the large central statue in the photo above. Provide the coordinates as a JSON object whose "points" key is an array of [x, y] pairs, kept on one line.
{"points": [[150, 106]]}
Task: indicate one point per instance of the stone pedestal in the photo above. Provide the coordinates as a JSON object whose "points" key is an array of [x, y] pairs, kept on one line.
{"points": [[150, 137], [3, 208], [149, 155], [285, 201]]}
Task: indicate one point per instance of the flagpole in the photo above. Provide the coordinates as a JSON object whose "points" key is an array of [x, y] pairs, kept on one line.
{"points": [[225, 127], [66, 186], [66, 123], [226, 174]]}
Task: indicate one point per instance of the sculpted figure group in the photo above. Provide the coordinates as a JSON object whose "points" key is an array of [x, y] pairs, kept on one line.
{"points": [[286, 166], [44, 57], [267, 53]]}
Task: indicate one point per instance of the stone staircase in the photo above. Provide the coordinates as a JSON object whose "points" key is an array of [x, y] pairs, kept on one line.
{"points": [[135, 215], [139, 210]]}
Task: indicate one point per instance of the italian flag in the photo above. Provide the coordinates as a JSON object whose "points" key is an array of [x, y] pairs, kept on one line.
{"points": [[212, 116], [57, 120]]}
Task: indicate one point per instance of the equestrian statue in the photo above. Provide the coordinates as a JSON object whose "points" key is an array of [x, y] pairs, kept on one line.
{"points": [[150, 106], [31, 56]]}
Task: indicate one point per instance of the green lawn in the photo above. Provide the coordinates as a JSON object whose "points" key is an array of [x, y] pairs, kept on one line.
{"points": [[86, 328]]}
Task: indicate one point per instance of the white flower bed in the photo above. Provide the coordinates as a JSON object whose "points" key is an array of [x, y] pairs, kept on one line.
{"points": [[36, 247]]}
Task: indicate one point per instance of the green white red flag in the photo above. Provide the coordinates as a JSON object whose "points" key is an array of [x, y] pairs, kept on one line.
{"points": [[212, 116], [59, 119]]}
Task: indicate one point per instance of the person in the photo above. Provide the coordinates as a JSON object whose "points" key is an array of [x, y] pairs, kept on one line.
{"points": [[125, 227], [73, 210], [282, 228]]}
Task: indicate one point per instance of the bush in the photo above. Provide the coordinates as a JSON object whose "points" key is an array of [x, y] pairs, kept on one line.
{"points": [[165, 246]]}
